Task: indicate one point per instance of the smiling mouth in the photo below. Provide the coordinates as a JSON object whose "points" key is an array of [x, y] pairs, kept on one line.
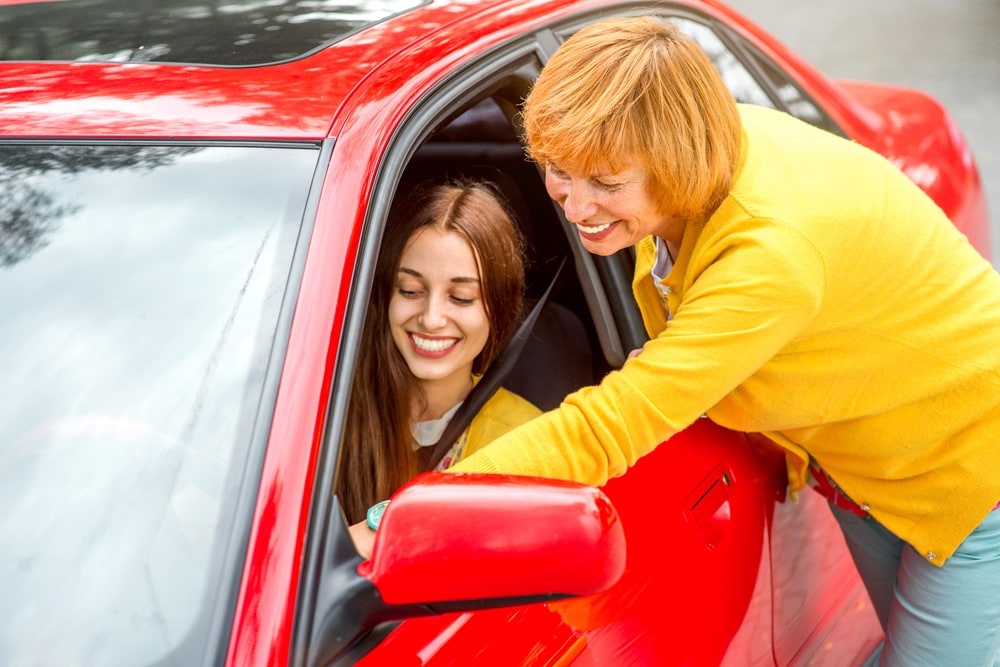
{"points": [[595, 232], [432, 345]]}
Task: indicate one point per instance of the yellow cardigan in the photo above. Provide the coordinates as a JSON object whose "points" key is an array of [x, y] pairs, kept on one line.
{"points": [[829, 304], [501, 413]]}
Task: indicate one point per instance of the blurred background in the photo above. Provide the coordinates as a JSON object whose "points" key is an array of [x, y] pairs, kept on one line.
{"points": [[947, 48]]}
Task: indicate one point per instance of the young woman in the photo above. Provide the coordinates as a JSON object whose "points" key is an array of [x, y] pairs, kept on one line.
{"points": [[796, 284], [448, 289]]}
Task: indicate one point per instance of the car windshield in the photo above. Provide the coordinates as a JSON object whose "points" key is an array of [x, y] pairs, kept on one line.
{"points": [[140, 287], [207, 32]]}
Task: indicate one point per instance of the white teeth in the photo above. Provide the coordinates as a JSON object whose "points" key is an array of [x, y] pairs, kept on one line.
{"points": [[433, 344], [597, 229]]}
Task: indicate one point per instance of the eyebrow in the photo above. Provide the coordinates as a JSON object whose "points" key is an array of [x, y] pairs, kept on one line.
{"points": [[456, 279]]}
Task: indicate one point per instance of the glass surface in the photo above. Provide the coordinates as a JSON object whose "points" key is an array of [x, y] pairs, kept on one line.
{"points": [[740, 82], [746, 88], [140, 288], [796, 101], [210, 32]]}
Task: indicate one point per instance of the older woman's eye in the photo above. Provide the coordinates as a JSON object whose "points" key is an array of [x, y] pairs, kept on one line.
{"points": [[556, 171]]}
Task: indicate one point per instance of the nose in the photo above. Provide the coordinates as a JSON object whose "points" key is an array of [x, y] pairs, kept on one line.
{"points": [[433, 316], [577, 202]]}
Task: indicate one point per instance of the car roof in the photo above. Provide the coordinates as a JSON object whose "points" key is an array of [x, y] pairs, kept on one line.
{"points": [[284, 80]]}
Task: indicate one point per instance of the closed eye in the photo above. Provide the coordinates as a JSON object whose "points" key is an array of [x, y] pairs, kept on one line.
{"points": [[608, 187], [557, 172]]}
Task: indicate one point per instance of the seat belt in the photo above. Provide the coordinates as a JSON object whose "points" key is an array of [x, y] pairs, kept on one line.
{"points": [[492, 378]]}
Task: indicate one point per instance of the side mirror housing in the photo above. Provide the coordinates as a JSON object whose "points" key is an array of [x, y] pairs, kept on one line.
{"points": [[454, 538]]}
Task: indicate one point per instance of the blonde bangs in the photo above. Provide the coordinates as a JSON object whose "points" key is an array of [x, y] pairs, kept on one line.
{"points": [[575, 143]]}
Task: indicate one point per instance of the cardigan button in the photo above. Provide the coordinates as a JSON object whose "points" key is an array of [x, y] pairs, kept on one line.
{"points": [[931, 555], [866, 507]]}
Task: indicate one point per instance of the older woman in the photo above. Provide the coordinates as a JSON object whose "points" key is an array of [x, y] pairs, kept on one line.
{"points": [[792, 283]]}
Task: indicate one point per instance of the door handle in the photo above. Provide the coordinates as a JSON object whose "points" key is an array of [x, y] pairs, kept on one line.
{"points": [[707, 508]]}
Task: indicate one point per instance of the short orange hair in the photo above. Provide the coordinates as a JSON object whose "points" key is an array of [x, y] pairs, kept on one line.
{"points": [[627, 90]]}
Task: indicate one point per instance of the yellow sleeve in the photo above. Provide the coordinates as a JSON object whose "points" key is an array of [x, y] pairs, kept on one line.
{"points": [[752, 290], [504, 411]]}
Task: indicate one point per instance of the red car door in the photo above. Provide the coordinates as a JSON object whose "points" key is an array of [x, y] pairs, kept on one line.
{"points": [[696, 588]]}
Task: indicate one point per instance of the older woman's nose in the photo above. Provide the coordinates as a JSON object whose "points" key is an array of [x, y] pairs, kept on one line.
{"points": [[577, 203]]}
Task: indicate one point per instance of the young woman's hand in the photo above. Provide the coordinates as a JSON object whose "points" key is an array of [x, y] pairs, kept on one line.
{"points": [[364, 538]]}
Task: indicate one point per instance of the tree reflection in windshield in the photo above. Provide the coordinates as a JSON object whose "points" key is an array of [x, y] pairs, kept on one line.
{"points": [[28, 214]]}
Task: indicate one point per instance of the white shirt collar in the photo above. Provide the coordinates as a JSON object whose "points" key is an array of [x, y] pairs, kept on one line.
{"points": [[427, 433]]}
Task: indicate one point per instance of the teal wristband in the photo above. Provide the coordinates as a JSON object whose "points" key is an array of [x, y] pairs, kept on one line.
{"points": [[374, 515]]}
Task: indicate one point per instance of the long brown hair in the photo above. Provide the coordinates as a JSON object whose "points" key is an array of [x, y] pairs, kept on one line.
{"points": [[377, 451], [638, 89]]}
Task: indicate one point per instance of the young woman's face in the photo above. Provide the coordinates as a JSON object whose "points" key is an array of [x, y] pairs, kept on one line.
{"points": [[611, 210], [436, 312]]}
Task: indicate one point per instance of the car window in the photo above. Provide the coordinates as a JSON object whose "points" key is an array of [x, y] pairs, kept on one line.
{"points": [[740, 82], [794, 99], [748, 88], [140, 287]]}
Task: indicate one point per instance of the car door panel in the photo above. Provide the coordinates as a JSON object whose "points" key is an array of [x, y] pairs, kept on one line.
{"points": [[696, 513], [721, 570]]}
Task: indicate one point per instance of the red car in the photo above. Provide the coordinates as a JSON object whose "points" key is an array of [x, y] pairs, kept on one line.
{"points": [[191, 198]]}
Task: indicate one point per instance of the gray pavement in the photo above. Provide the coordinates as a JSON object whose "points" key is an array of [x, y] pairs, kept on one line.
{"points": [[948, 48]]}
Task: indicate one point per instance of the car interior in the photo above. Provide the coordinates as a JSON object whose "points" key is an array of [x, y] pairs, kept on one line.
{"points": [[566, 349]]}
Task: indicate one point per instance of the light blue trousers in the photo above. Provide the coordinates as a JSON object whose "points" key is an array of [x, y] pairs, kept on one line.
{"points": [[932, 616]]}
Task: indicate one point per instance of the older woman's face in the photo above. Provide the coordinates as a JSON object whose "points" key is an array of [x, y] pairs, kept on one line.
{"points": [[612, 210]]}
